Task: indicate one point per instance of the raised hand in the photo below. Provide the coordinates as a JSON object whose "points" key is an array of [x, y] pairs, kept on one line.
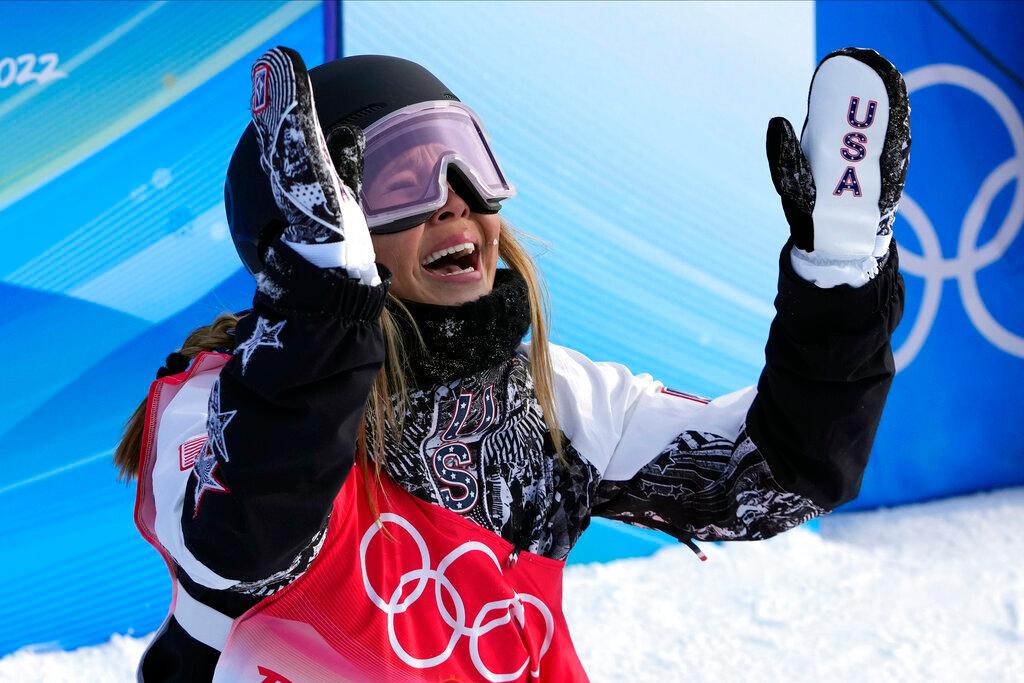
{"points": [[841, 181], [325, 223]]}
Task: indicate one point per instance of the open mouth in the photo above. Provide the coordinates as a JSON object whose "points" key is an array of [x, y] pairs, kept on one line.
{"points": [[458, 259]]}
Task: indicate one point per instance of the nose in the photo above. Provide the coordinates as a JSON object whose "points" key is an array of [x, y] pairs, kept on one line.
{"points": [[455, 207]]}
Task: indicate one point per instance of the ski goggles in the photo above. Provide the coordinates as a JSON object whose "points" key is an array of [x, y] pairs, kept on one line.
{"points": [[411, 156]]}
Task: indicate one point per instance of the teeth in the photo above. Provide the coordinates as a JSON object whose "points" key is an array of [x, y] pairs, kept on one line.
{"points": [[459, 272], [465, 246]]}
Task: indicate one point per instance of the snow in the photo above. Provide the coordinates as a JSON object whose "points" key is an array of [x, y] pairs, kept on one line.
{"points": [[113, 661], [931, 592]]}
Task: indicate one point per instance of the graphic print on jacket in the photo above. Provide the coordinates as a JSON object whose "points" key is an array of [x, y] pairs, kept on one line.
{"points": [[479, 447], [706, 487]]}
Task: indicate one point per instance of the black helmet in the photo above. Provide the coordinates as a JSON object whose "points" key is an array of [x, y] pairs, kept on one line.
{"points": [[352, 91]]}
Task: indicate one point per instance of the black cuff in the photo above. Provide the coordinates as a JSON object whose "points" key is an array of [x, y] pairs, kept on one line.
{"points": [[289, 284], [842, 308]]}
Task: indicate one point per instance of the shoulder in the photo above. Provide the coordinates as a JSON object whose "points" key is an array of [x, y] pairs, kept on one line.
{"points": [[593, 400], [575, 372], [174, 437], [175, 422], [174, 393]]}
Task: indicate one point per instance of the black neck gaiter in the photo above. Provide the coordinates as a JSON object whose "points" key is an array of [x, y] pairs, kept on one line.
{"points": [[465, 339]]}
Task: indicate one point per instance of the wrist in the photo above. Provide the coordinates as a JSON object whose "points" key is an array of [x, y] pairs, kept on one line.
{"points": [[828, 272]]}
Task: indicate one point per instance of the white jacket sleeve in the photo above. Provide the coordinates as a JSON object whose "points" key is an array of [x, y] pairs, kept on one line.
{"points": [[668, 460]]}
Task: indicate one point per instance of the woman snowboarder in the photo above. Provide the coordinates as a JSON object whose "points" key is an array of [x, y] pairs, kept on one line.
{"points": [[369, 476]]}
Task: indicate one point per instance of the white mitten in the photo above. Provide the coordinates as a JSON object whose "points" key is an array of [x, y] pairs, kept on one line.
{"points": [[841, 181]]}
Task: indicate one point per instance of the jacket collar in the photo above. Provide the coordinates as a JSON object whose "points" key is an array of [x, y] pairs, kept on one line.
{"points": [[468, 338]]}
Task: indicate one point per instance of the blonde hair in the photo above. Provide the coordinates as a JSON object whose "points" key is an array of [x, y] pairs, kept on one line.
{"points": [[388, 399]]}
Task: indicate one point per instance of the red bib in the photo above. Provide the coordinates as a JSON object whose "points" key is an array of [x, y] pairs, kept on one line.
{"points": [[416, 594], [425, 595]]}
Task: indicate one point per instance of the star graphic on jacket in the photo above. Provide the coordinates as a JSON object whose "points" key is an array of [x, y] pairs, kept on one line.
{"points": [[206, 480], [265, 334], [216, 423]]}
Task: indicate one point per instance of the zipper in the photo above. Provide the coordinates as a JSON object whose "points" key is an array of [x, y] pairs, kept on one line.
{"points": [[696, 551]]}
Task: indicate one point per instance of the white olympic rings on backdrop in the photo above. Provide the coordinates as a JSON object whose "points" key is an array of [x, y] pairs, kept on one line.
{"points": [[970, 258], [507, 608]]}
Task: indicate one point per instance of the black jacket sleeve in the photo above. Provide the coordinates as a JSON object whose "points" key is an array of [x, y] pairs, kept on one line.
{"points": [[283, 422], [802, 445], [828, 370]]}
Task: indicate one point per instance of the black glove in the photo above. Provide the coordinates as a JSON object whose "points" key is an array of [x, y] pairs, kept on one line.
{"points": [[325, 223], [841, 182], [346, 144]]}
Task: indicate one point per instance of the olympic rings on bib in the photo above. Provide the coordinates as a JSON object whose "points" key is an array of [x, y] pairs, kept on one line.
{"points": [[504, 610]]}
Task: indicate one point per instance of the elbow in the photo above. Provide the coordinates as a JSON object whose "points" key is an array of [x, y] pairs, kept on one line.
{"points": [[845, 491], [828, 481], [836, 482]]}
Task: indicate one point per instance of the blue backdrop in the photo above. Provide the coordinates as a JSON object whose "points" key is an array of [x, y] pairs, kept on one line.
{"points": [[954, 421], [634, 133]]}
